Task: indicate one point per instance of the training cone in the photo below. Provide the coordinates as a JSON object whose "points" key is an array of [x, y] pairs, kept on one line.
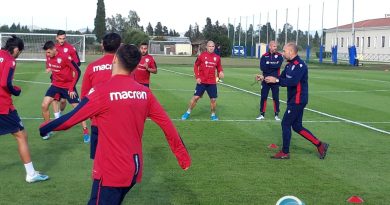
{"points": [[355, 200], [272, 146]]}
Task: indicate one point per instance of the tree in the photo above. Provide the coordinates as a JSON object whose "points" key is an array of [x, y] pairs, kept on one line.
{"points": [[135, 36], [134, 19], [165, 31], [100, 20], [158, 30], [149, 29], [189, 33]]}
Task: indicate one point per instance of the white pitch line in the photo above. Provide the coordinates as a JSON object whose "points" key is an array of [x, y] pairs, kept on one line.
{"points": [[315, 111], [240, 120], [34, 82]]}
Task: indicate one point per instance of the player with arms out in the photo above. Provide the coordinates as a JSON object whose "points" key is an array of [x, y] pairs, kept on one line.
{"points": [[146, 66], [120, 106], [10, 122], [99, 72], [65, 75], [205, 67]]}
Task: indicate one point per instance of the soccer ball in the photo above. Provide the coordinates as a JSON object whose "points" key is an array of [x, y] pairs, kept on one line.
{"points": [[289, 200]]}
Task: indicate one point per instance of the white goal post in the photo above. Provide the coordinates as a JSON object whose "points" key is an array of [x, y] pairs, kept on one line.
{"points": [[33, 43]]}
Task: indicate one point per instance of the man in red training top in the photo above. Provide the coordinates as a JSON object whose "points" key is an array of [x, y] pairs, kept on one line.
{"points": [[120, 106], [98, 72], [204, 69], [65, 75], [146, 66]]}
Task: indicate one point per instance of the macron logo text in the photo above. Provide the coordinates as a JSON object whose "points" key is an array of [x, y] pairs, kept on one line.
{"points": [[140, 95], [102, 67]]}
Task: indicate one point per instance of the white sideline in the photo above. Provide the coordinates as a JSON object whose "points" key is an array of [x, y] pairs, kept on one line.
{"points": [[315, 111]]}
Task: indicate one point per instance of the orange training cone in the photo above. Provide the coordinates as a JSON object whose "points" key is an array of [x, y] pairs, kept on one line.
{"points": [[355, 200], [273, 146]]}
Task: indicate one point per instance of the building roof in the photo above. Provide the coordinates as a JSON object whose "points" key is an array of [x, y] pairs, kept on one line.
{"points": [[381, 22]]}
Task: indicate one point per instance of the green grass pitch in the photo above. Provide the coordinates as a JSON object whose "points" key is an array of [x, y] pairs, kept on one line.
{"points": [[231, 158]]}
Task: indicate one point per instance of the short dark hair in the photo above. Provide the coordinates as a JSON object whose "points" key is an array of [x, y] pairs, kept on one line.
{"points": [[129, 56], [48, 45], [12, 43], [111, 42], [144, 44], [61, 32]]}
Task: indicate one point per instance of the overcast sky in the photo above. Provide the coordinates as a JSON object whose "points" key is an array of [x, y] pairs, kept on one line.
{"points": [[179, 14]]}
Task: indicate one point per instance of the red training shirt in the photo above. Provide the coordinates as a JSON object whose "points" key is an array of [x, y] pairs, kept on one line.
{"points": [[205, 66], [65, 74], [141, 75], [7, 69]]}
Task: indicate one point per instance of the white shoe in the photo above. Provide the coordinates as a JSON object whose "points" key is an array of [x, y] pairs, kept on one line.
{"points": [[261, 117], [277, 118], [46, 137], [36, 177]]}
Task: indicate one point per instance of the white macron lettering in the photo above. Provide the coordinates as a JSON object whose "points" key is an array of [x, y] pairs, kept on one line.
{"points": [[123, 95], [102, 67], [1, 60]]}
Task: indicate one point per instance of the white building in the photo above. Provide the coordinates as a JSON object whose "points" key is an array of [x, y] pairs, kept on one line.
{"points": [[372, 39]]}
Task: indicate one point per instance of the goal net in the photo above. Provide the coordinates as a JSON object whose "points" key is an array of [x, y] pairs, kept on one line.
{"points": [[33, 43]]}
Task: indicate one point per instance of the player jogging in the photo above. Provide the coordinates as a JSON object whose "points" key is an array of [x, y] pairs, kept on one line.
{"points": [[9, 118], [120, 106], [146, 66]]}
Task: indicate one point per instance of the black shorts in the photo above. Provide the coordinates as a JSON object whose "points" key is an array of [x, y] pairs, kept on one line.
{"points": [[10, 123], [101, 195], [53, 92]]}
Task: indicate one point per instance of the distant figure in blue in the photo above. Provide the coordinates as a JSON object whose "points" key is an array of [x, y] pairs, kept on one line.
{"points": [[218, 49], [295, 78]]}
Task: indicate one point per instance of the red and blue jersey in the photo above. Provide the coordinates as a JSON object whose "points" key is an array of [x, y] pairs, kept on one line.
{"points": [[295, 78], [141, 75], [97, 72], [121, 106], [270, 64], [7, 70], [69, 49], [205, 67], [65, 73]]}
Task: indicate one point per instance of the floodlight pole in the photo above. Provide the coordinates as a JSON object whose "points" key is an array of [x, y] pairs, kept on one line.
{"points": [[353, 22], [322, 24], [267, 27], [296, 40], [337, 25], [285, 27], [276, 27]]}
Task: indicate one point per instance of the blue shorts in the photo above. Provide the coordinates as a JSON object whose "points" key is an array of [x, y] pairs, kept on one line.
{"points": [[53, 92], [102, 195], [210, 88], [10, 123]]}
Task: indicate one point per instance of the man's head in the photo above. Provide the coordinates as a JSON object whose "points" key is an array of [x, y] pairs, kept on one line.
{"points": [[273, 46], [14, 46], [126, 58], [143, 48], [290, 50], [210, 46], [61, 37], [50, 49], [111, 42]]}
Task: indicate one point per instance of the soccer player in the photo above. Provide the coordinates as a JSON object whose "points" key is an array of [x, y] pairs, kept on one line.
{"points": [[9, 118], [270, 63], [62, 45], [205, 67], [65, 75], [295, 78], [98, 72], [146, 66], [120, 106]]}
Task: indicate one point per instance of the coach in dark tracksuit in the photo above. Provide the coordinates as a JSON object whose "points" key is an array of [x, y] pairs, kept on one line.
{"points": [[270, 64], [295, 78]]}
